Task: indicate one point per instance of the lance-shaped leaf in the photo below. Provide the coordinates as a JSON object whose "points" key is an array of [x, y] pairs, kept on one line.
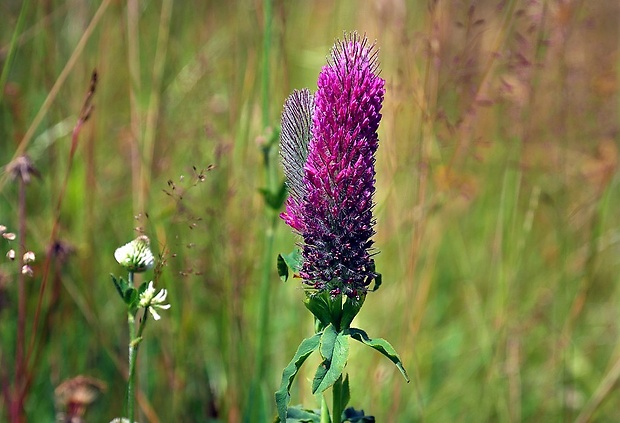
{"points": [[380, 345], [335, 352], [283, 395], [120, 285]]}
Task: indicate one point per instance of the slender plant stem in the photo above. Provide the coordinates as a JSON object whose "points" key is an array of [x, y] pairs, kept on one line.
{"points": [[152, 113], [337, 400], [266, 54], [135, 93], [20, 367], [133, 352], [324, 411], [8, 61], [272, 217]]}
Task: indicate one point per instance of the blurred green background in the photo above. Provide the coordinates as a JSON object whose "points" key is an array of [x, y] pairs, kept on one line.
{"points": [[496, 190]]}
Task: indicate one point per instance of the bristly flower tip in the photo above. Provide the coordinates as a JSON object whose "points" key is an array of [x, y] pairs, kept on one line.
{"points": [[328, 147]]}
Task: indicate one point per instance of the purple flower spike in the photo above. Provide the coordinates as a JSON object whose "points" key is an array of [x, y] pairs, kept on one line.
{"points": [[332, 206]]}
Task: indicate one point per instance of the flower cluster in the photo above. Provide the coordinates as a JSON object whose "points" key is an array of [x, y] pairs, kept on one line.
{"points": [[136, 256], [328, 144]]}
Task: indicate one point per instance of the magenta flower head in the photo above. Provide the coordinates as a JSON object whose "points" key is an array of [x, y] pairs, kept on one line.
{"points": [[328, 144]]}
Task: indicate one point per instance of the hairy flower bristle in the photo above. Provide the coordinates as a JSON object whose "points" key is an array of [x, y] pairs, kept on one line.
{"points": [[294, 140]]}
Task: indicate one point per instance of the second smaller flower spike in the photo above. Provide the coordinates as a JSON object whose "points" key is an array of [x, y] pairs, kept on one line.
{"points": [[136, 256], [294, 140]]}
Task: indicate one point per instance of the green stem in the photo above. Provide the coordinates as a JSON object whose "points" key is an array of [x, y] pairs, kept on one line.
{"points": [[256, 390], [324, 411], [8, 61], [133, 353], [266, 52], [337, 400]]}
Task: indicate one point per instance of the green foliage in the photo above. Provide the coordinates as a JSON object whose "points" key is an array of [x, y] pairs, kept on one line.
{"points": [[283, 396], [128, 293], [298, 414], [274, 199], [334, 349], [289, 262], [380, 345]]}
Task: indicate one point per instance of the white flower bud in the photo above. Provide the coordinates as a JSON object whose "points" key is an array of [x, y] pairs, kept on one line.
{"points": [[136, 256]]}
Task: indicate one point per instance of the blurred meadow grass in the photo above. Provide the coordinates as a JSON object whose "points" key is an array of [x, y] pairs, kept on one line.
{"points": [[496, 190]]}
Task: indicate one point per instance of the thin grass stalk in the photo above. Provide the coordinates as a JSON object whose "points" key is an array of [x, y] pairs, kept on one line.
{"points": [[47, 103], [133, 62], [8, 62], [604, 388], [272, 219], [152, 113], [20, 367], [324, 411], [266, 56]]}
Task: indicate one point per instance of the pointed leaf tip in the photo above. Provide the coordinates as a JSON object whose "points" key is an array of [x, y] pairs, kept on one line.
{"points": [[381, 345]]}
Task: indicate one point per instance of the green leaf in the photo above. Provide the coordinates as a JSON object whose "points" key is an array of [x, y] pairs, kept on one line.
{"points": [[281, 195], [298, 414], [378, 282], [319, 306], [274, 199], [346, 393], [130, 296], [119, 286], [124, 289], [380, 345], [335, 352], [142, 287], [378, 279], [286, 262], [350, 308], [283, 395], [294, 260], [282, 268]]}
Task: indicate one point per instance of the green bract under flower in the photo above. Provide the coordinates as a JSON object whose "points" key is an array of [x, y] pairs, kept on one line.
{"points": [[136, 256], [152, 301]]}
